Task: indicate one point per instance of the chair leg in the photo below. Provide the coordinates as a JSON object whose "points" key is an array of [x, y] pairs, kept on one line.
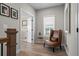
{"points": [[60, 47], [44, 44], [53, 50]]}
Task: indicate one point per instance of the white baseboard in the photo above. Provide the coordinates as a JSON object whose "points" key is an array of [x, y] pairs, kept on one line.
{"points": [[66, 49]]}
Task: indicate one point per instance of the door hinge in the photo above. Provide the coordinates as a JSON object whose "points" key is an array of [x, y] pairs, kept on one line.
{"points": [[77, 29]]}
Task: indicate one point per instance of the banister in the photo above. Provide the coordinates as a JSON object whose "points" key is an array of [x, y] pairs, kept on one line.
{"points": [[3, 40]]}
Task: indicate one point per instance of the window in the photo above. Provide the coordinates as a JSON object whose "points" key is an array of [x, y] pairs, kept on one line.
{"points": [[49, 23]]}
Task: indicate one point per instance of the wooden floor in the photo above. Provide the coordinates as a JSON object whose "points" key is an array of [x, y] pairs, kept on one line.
{"points": [[28, 49]]}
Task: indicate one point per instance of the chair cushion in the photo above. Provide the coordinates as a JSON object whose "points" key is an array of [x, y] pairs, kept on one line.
{"points": [[48, 42], [55, 34], [54, 39]]}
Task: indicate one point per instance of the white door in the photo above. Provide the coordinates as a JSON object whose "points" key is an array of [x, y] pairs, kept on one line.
{"points": [[30, 27], [26, 26]]}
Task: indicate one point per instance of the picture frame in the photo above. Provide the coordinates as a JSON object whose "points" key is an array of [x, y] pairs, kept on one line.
{"points": [[14, 13], [24, 23], [4, 10]]}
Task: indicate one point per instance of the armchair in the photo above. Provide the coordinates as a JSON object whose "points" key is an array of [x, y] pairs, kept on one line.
{"points": [[55, 39]]}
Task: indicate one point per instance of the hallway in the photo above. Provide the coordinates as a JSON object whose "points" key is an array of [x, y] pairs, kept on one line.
{"points": [[33, 22], [30, 49]]}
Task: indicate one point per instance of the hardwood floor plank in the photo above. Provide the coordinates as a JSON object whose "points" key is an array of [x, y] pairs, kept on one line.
{"points": [[29, 49]]}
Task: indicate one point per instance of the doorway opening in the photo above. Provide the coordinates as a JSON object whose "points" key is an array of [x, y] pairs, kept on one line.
{"points": [[26, 27]]}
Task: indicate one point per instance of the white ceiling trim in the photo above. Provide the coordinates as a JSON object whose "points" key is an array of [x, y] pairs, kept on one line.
{"points": [[44, 5]]}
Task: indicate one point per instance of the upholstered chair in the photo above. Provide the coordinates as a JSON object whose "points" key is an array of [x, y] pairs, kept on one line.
{"points": [[55, 39]]}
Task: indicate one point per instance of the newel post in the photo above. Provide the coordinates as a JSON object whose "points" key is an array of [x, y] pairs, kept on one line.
{"points": [[11, 44]]}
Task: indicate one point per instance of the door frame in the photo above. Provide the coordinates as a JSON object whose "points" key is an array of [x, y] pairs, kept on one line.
{"points": [[28, 13], [77, 29]]}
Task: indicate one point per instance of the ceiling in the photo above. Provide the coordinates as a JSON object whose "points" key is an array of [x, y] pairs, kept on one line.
{"points": [[44, 5]]}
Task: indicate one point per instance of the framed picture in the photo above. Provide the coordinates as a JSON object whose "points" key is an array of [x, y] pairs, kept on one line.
{"points": [[24, 23], [4, 10], [14, 13]]}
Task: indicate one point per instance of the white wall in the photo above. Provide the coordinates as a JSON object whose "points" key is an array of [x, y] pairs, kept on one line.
{"points": [[57, 11], [26, 11], [13, 23], [10, 23], [71, 38], [78, 28]]}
